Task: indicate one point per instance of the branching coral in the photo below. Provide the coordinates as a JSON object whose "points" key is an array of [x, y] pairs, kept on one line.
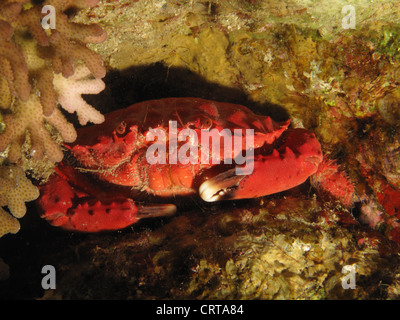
{"points": [[69, 91], [41, 69], [49, 58], [15, 189], [28, 116]]}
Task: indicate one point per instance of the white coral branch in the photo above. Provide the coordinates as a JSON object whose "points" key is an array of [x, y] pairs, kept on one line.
{"points": [[69, 91]]}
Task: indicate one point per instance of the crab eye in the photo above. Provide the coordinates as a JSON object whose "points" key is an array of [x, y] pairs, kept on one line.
{"points": [[120, 129], [206, 123]]}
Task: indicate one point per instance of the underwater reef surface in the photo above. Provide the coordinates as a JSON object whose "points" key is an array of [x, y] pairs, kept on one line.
{"points": [[286, 59]]}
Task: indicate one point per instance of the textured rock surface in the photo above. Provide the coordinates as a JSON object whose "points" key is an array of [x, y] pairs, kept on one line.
{"points": [[282, 58]]}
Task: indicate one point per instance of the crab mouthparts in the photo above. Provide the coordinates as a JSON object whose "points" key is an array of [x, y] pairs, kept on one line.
{"points": [[220, 187]]}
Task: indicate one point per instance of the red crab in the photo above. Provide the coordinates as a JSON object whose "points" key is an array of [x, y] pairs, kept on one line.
{"points": [[115, 162]]}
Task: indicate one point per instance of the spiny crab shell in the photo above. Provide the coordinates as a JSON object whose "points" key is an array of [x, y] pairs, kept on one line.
{"points": [[161, 148]]}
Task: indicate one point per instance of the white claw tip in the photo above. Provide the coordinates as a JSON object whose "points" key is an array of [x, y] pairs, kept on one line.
{"points": [[208, 192]]}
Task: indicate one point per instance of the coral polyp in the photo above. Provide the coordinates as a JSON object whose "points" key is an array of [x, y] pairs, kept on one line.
{"points": [[41, 71]]}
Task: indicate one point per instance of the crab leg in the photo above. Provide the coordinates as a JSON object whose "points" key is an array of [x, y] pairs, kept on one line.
{"points": [[74, 209], [286, 167]]}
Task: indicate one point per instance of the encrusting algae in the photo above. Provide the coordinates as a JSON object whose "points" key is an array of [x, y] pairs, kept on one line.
{"points": [[41, 70]]}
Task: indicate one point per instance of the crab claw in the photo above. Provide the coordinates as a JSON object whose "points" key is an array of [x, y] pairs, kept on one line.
{"points": [[287, 166], [75, 210], [155, 210], [97, 216]]}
